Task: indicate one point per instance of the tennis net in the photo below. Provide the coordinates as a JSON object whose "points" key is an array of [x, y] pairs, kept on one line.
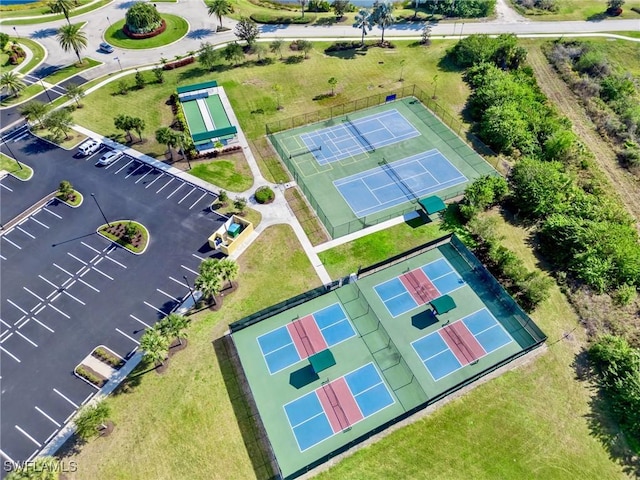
{"points": [[304, 338], [336, 406], [418, 287], [304, 151], [359, 135], [464, 348], [384, 165]]}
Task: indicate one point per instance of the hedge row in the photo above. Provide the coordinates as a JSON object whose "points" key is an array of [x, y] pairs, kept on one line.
{"points": [[280, 19], [178, 63]]}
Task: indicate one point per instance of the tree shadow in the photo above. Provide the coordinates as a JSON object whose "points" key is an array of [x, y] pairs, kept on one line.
{"points": [[200, 33], [349, 54], [597, 17], [126, 5], [447, 64], [44, 33]]}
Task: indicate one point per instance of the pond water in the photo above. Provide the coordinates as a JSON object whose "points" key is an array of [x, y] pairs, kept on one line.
{"points": [[16, 2]]}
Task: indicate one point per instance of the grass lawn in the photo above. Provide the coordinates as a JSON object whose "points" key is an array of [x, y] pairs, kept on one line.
{"points": [[8, 16], [250, 214], [38, 56], [177, 27], [231, 174], [74, 138], [249, 87], [581, 10], [141, 229], [183, 424], [71, 70], [22, 171], [28, 92], [75, 201]]}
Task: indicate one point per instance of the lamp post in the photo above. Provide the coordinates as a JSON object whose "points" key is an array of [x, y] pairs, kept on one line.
{"points": [[190, 291], [46, 91], [109, 21], [103, 215], [119, 64], [16, 32], [13, 156]]}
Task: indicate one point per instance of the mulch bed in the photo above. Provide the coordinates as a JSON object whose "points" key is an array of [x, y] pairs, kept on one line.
{"points": [[176, 347], [162, 368], [118, 230], [105, 432]]}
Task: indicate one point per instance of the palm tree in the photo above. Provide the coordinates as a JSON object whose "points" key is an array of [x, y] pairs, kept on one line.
{"points": [[75, 92], [42, 468], [363, 22], [12, 82], [174, 326], [219, 8], [155, 345], [71, 37], [228, 270], [34, 110], [62, 6], [168, 137], [383, 16], [209, 281], [91, 419], [276, 47]]}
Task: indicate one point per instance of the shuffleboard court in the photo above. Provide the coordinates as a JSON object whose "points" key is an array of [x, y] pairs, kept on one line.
{"points": [[337, 405], [397, 182], [461, 343], [304, 337], [354, 137]]}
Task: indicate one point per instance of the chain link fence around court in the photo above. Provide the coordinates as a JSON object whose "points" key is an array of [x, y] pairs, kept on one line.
{"points": [[456, 127]]}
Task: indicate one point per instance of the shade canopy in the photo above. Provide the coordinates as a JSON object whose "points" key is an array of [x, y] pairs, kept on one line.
{"points": [[443, 304], [432, 204], [322, 360]]}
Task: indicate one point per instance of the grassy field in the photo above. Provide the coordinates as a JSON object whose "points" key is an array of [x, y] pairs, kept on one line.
{"points": [[22, 171], [580, 10], [74, 138], [249, 87], [177, 27], [183, 424], [232, 174], [9, 16]]}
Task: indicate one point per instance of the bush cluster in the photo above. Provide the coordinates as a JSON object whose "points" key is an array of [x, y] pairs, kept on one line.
{"points": [[546, 5], [178, 63], [264, 194], [467, 8], [108, 358], [142, 17], [270, 19], [90, 376], [16, 54]]}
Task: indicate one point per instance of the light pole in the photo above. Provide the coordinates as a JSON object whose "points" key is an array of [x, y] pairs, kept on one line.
{"points": [[16, 32], [45, 90], [109, 22], [190, 291], [13, 156], [103, 215], [119, 64]]}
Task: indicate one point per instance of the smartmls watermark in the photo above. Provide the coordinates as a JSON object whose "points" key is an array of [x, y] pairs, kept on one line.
{"points": [[61, 466]]}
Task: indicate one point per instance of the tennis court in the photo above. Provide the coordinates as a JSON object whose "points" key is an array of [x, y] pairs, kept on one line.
{"points": [[392, 184], [461, 343], [362, 135], [305, 336], [337, 405]]}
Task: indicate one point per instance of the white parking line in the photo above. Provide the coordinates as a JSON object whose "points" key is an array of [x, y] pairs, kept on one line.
{"points": [[58, 266], [51, 436], [155, 308], [194, 203], [40, 309], [93, 155], [28, 436], [123, 167], [17, 139], [38, 297], [7, 338], [124, 157], [187, 268], [179, 282], [15, 305], [52, 213], [10, 354], [4, 186], [89, 285], [162, 188], [171, 194], [138, 320], [66, 398], [39, 222], [144, 175], [134, 171], [47, 416], [27, 339], [166, 294], [75, 298], [101, 272], [73, 256], [197, 256], [23, 323], [156, 179], [58, 310], [25, 232], [130, 338], [115, 261], [5, 323], [7, 457], [89, 246], [50, 329], [12, 243], [2, 257], [49, 282], [190, 192]]}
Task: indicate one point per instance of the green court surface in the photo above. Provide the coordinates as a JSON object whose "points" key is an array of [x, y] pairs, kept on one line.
{"points": [[381, 332], [316, 176], [216, 110], [194, 117]]}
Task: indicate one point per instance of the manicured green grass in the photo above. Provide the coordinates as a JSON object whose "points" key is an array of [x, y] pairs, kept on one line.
{"points": [[73, 139], [38, 56], [581, 10], [22, 171], [250, 214], [194, 410], [177, 27], [234, 176], [120, 241], [75, 201], [249, 87], [71, 70], [47, 18], [28, 92]]}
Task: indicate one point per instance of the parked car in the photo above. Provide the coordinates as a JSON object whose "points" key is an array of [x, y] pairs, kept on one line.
{"points": [[89, 147], [106, 48], [109, 158]]}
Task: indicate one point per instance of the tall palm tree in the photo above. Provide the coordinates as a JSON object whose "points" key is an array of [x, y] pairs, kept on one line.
{"points": [[34, 110], [174, 326], [71, 37], [62, 6], [12, 83], [155, 345], [219, 8], [383, 16], [363, 22], [168, 137], [228, 269], [209, 283]]}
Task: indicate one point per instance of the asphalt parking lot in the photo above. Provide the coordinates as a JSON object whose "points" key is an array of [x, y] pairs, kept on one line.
{"points": [[66, 290]]}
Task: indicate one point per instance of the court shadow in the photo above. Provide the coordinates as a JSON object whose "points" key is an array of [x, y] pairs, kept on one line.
{"points": [[416, 219], [424, 319], [303, 377]]}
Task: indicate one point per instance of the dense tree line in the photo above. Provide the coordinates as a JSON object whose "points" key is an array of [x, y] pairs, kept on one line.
{"points": [[462, 8]]}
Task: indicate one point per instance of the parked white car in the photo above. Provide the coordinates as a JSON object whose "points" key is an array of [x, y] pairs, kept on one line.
{"points": [[89, 147], [109, 158]]}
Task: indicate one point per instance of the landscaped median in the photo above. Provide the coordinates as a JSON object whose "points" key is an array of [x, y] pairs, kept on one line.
{"points": [[129, 234], [15, 168], [176, 28]]}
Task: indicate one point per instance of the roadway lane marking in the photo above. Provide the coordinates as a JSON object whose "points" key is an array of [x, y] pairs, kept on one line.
{"points": [[166, 294], [7, 457], [115, 261], [156, 179], [138, 320], [4, 186], [10, 354], [28, 436], [73, 256], [89, 285], [144, 175], [58, 310], [194, 203], [130, 338], [134, 171], [155, 308], [15, 305], [47, 416], [89, 246], [27, 339], [75, 298], [25, 232], [171, 194], [179, 282], [162, 188], [51, 330], [58, 266], [101, 272], [187, 268], [12, 243], [52, 213], [39, 298], [123, 167], [66, 398], [190, 192], [39, 222]]}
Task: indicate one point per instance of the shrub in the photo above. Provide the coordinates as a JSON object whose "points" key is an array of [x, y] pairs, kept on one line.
{"points": [[625, 294], [179, 63], [270, 19], [483, 193], [143, 17], [341, 46], [87, 375], [108, 358], [264, 194], [4, 39]]}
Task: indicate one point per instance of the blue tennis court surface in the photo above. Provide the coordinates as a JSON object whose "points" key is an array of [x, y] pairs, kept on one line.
{"points": [[398, 182], [358, 136], [439, 358]]}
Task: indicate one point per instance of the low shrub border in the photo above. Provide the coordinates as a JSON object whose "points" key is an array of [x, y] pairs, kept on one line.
{"points": [[90, 375], [268, 19], [74, 199], [108, 357], [265, 195], [140, 36], [179, 63], [117, 233]]}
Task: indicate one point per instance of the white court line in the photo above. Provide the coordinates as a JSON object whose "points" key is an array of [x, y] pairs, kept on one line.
{"points": [[190, 192], [155, 308], [138, 320], [101, 272], [89, 246], [187, 268], [194, 203], [38, 297], [28, 436], [162, 188], [39, 222], [52, 213], [59, 311], [134, 171], [166, 294], [125, 166], [10, 354], [89, 285], [155, 180], [27, 339], [12, 243], [47, 416], [171, 194], [58, 266], [4, 186], [130, 338], [15, 305], [25, 232], [179, 282], [115, 261], [75, 298], [73, 256], [7, 457], [144, 176], [66, 398], [50, 329]]}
